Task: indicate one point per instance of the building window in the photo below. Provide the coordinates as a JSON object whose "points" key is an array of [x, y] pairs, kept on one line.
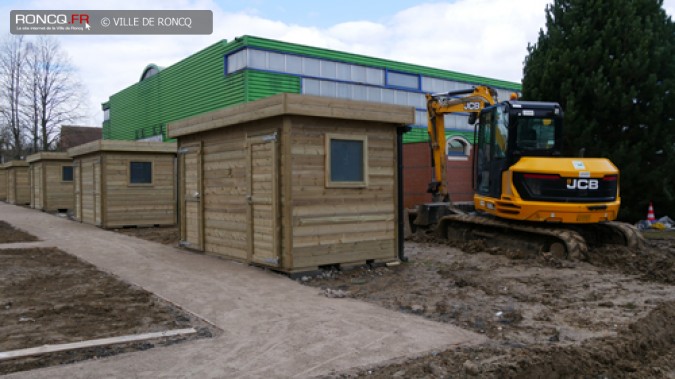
{"points": [[106, 114], [66, 173], [363, 92], [458, 149], [237, 61], [346, 161], [304, 66], [140, 172], [398, 79]]}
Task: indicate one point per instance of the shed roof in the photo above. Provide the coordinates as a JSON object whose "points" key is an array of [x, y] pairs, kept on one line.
{"points": [[122, 146], [11, 164], [293, 104], [48, 156]]}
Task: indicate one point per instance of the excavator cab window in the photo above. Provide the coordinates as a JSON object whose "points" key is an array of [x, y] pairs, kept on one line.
{"points": [[535, 134], [536, 129]]}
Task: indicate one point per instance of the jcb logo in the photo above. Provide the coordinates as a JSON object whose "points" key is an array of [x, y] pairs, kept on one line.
{"points": [[582, 184], [472, 106]]}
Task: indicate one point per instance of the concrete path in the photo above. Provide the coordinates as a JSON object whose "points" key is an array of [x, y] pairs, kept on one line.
{"points": [[272, 326]]}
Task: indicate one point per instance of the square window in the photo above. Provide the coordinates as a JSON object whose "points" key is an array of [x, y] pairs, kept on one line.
{"points": [[67, 173], [140, 172], [346, 161]]}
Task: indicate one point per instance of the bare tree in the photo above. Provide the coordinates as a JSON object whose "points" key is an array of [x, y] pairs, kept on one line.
{"points": [[53, 95], [12, 61], [30, 108]]}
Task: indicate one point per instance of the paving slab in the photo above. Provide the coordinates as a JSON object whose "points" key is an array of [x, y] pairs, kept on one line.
{"points": [[272, 326]]}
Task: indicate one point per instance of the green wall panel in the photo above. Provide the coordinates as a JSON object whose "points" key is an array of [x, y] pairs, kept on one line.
{"points": [[192, 86]]}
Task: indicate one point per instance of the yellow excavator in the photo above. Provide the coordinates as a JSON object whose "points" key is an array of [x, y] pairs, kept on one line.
{"points": [[525, 194]]}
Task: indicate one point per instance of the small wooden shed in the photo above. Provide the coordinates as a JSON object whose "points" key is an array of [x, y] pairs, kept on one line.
{"points": [[51, 179], [125, 183], [3, 183], [293, 182], [18, 182]]}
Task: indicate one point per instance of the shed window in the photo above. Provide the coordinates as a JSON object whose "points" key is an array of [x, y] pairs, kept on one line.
{"points": [[346, 161], [67, 173], [140, 172]]}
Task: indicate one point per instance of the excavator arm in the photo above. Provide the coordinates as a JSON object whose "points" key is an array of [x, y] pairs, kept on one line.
{"points": [[470, 101]]}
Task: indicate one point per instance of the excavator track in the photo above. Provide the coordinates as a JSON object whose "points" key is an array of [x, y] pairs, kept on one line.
{"points": [[615, 233], [565, 242]]}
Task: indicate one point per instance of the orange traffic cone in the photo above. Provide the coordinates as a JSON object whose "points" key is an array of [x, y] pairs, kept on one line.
{"points": [[650, 214]]}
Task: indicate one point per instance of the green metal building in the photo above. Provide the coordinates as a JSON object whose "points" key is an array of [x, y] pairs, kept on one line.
{"points": [[250, 68]]}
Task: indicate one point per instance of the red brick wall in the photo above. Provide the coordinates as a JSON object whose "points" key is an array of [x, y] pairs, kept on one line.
{"points": [[417, 174]]}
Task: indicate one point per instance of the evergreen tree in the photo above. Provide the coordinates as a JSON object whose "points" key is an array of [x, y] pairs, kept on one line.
{"points": [[611, 65]]}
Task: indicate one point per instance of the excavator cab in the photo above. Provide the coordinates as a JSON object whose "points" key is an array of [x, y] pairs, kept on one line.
{"points": [[519, 173], [508, 131]]}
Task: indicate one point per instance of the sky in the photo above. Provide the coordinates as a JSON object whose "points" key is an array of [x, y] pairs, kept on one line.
{"points": [[481, 37]]}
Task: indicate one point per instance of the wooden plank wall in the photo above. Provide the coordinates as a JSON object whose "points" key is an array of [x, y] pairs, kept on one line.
{"points": [[18, 185], [126, 204], [56, 193], [319, 225], [341, 225], [3, 184], [225, 187]]}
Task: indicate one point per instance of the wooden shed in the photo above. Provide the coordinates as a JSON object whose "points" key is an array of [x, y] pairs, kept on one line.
{"points": [[51, 181], [293, 182], [3, 183], [125, 183], [18, 182]]}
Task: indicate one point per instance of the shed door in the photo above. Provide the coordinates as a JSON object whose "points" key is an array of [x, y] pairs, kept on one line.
{"points": [[263, 236], [98, 211], [192, 234], [78, 192], [90, 211], [11, 186], [36, 186]]}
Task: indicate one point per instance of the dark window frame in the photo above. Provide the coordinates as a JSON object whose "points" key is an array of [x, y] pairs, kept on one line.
{"points": [[147, 179], [64, 176]]}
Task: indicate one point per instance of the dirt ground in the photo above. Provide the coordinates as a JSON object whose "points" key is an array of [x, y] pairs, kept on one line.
{"points": [[9, 234], [546, 318], [50, 297], [609, 317]]}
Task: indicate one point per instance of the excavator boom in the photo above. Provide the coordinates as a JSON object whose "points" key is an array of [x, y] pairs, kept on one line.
{"points": [[470, 101]]}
